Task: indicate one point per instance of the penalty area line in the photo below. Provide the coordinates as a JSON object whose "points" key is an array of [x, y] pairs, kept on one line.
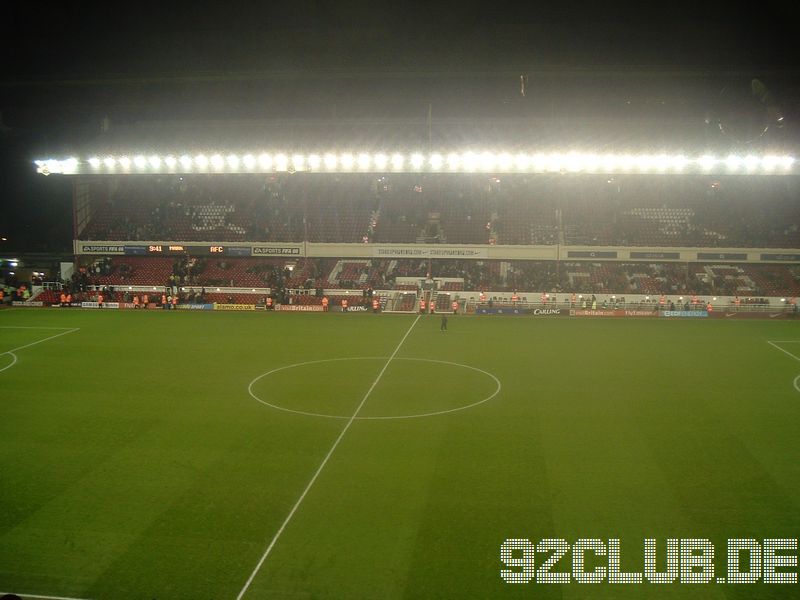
{"points": [[322, 466]]}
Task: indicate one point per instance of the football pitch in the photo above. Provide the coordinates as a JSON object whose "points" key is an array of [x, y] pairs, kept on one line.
{"points": [[182, 454]]}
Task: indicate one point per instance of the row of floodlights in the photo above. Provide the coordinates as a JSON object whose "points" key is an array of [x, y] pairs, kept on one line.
{"points": [[416, 162]]}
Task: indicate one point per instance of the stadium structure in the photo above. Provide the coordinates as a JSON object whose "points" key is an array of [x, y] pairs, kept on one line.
{"points": [[212, 213]]}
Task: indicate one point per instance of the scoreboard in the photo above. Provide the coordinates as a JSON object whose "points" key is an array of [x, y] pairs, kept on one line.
{"points": [[191, 249]]}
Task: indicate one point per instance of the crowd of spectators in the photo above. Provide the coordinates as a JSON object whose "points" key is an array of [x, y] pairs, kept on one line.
{"points": [[456, 209], [311, 276]]}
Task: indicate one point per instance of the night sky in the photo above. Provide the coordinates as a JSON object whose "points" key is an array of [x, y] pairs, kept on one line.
{"points": [[68, 65]]}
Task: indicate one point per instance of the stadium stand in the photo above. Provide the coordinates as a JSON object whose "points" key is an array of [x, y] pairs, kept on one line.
{"points": [[692, 212], [457, 275]]}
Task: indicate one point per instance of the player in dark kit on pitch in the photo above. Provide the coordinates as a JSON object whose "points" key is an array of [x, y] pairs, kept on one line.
{"points": [[443, 326]]}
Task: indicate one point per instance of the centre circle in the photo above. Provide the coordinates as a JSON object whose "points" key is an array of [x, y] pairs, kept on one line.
{"points": [[350, 390]]}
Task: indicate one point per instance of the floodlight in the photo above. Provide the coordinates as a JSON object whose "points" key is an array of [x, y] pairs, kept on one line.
{"points": [[265, 161], [504, 161], [314, 161], [769, 162], [555, 162], [591, 162], [233, 161], [201, 160], [609, 162], [347, 161], [109, 162], [186, 161], [539, 162], [380, 161], [281, 162], [644, 162], [155, 161], [751, 162], [732, 162], [487, 161], [94, 161], [662, 162], [298, 162], [363, 161], [626, 162], [679, 162], [436, 161], [469, 160], [787, 162], [707, 162], [170, 161], [397, 161], [249, 161], [140, 162], [522, 161], [125, 162], [330, 161], [574, 162], [453, 161], [217, 161]]}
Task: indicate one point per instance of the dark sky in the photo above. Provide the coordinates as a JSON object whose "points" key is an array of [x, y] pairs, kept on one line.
{"points": [[66, 65]]}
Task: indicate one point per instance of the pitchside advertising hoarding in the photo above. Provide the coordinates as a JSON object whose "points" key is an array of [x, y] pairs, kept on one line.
{"points": [[195, 306], [300, 307], [520, 311], [235, 307], [611, 313], [601, 313], [97, 305]]}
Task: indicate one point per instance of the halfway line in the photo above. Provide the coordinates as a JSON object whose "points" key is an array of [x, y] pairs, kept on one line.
{"points": [[322, 465]]}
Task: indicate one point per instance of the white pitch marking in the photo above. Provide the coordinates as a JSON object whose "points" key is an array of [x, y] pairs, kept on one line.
{"points": [[52, 337], [377, 418], [40, 597], [774, 345], [13, 362], [322, 465]]}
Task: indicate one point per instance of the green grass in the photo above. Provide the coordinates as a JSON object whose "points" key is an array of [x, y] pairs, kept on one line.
{"points": [[134, 463]]}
